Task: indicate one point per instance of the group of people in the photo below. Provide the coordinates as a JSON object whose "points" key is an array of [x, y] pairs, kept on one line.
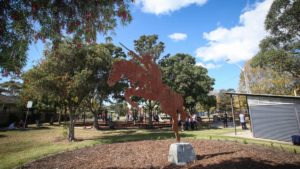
{"points": [[15, 125], [191, 122], [241, 117]]}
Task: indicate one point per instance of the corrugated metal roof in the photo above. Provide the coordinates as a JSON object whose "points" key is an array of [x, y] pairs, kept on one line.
{"points": [[9, 99], [264, 95]]}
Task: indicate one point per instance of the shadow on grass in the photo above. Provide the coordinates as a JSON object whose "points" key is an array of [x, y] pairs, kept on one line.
{"points": [[1, 136], [237, 163], [123, 131], [209, 128], [127, 136], [26, 129], [35, 128]]}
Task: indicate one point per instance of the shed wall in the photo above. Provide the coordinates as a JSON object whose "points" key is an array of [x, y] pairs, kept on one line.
{"points": [[274, 118]]}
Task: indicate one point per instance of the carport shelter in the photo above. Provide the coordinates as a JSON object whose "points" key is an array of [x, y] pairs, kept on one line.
{"points": [[273, 117]]}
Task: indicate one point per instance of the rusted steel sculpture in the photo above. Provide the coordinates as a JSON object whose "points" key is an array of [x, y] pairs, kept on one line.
{"points": [[145, 81]]}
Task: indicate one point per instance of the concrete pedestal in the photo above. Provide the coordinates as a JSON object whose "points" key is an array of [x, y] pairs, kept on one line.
{"points": [[181, 153]]}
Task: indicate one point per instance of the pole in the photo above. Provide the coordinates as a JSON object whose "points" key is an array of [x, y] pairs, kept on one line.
{"points": [[248, 111], [246, 81], [245, 78], [231, 99], [244, 74], [24, 125]]}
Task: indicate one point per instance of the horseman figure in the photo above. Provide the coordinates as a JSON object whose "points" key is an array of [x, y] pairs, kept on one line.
{"points": [[145, 81]]}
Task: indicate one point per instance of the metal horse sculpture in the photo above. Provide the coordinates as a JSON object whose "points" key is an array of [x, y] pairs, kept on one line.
{"points": [[145, 81]]}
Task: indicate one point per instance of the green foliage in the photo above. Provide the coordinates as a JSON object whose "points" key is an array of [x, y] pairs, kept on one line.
{"points": [[181, 73], [23, 22], [149, 45], [223, 100], [70, 75], [245, 141], [278, 60], [119, 108], [65, 131], [280, 50], [283, 23], [267, 81], [11, 87]]}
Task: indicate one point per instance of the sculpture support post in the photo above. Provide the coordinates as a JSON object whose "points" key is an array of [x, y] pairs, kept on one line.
{"points": [[175, 129]]}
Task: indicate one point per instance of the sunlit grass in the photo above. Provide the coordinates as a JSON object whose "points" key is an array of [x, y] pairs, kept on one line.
{"points": [[19, 147]]}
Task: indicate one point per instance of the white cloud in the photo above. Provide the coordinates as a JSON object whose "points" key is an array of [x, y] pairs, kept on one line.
{"points": [[208, 65], [178, 36], [166, 6], [240, 42]]}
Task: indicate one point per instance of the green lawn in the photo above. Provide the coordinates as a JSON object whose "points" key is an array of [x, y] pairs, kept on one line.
{"points": [[19, 147]]}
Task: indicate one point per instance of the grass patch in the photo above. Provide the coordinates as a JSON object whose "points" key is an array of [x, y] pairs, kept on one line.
{"points": [[19, 147]]}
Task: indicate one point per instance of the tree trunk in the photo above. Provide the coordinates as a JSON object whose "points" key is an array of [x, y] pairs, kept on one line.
{"points": [[150, 116], [95, 123], [84, 119], [59, 117], [51, 120], [71, 133], [65, 114], [150, 108], [208, 115]]}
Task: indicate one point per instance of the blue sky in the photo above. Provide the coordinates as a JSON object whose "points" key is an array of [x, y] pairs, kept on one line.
{"points": [[212, 31]]}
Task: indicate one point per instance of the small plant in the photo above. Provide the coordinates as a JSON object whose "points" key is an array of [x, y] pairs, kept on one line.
{"points": [[65, 131], [281, 147], [210, 137], [272, 145], [295, 151], [245, 141]]}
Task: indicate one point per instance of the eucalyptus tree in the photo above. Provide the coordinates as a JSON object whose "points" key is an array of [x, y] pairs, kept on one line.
{"points": [[71, 73], [280, 50], [182, 74], [149, 44], [24, 22], [267, 81]]}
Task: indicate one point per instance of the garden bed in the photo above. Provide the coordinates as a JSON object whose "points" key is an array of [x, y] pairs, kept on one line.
{"points": [[153, 154]]}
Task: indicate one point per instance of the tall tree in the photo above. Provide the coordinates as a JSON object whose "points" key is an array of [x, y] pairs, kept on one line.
{"points": [[280, 50], [267, 81], [223, 100], [71, 72], [147, 44], [208, 103], [23, 22], [182, 74], [101, 90], [283, 23]]}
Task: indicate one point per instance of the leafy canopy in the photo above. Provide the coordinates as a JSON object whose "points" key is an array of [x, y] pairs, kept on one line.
{"points": [[280, 51], [147, 44], [23, 22], [181, 73]]}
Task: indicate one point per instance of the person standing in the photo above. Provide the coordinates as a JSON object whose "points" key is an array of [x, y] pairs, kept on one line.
{"points": [[242, 121], [225, 120]]}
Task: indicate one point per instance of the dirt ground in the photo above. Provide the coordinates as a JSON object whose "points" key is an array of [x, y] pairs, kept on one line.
{"points": [[154, 154]]}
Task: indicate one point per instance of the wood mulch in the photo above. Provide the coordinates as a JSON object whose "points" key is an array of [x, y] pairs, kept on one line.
{"points": [[153, 154]]}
